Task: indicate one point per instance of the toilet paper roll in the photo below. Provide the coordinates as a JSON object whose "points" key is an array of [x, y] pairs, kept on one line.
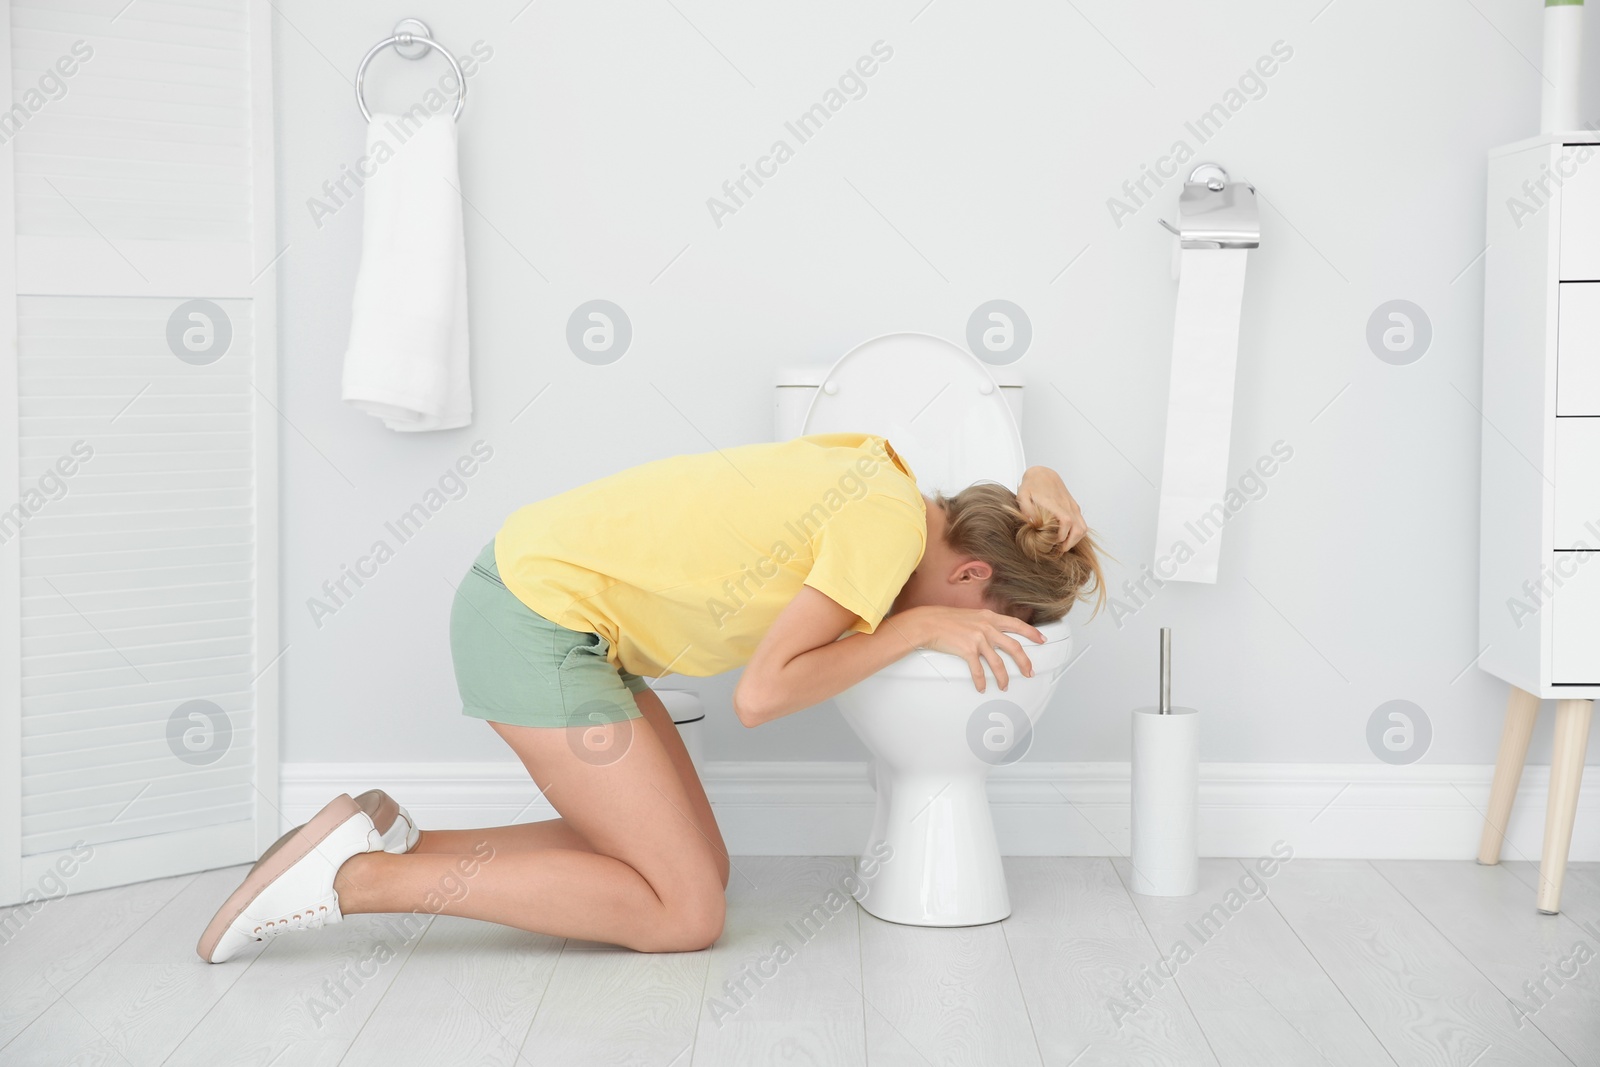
{"points": [[1166, 795], [1194, 465]]}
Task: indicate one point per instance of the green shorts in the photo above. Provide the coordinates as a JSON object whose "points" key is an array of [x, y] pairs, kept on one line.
{"points": [[515, 666]]}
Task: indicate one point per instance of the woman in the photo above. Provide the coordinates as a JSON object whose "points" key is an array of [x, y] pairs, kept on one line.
{"points": [[760, 556]]}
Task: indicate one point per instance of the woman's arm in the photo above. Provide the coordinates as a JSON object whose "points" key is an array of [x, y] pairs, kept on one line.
{"points": [[801, 661]]}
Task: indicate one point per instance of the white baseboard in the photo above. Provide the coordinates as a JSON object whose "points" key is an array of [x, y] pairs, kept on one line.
{"points": [[1359, 811]]}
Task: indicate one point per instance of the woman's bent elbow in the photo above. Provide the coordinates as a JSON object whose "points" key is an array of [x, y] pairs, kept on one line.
{"points": [[752, 707]]}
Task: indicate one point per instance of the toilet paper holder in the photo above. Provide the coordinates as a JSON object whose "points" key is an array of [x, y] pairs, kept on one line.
{"points": [[1214, 212]]}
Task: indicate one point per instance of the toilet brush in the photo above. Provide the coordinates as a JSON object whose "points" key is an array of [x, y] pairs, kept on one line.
{"points": [[1166, 792]]}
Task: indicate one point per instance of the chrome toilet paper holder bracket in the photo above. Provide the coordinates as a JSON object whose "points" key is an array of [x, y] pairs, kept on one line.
{"points": [[1214, 212]]}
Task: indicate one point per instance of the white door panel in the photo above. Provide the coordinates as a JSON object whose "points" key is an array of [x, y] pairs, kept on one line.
{"points": [[138, 620]]}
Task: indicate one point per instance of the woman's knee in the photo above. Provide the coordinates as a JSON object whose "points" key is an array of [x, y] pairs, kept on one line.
{"points": [[692, 924], [703, 923]]}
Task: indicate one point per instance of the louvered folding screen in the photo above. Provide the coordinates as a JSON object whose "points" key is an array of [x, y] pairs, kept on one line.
{"points": [[138, 621]]}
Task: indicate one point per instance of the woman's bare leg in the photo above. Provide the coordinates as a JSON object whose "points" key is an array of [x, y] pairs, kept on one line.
{"points": [[556, 833], [660, 721], [518, 837], [653, 880]]}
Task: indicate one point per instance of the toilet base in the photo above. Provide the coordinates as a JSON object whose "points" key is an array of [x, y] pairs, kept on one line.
{"points": [[933, 859]]}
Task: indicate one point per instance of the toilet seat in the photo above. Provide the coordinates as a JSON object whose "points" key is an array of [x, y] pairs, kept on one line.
{"points": [[936, 404], [924, 663]]}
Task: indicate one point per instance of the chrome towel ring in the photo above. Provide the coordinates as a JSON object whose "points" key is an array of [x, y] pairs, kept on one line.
{"points": [[409, 34]]}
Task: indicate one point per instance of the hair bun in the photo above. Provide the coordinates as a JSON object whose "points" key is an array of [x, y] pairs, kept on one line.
{"points": [[1038, 542]]}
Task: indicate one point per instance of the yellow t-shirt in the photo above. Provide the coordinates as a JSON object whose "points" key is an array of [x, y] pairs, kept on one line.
{"points": [[682, 564]]}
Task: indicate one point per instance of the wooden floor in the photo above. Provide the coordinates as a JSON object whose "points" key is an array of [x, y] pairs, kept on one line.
{"points": [[1340, 962]]}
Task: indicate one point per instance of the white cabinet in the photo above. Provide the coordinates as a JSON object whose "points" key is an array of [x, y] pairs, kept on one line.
{"points": [[1539, 570], [1539, 512]]}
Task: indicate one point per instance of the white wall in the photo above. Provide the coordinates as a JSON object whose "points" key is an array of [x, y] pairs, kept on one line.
{"points": [[978, 165]]}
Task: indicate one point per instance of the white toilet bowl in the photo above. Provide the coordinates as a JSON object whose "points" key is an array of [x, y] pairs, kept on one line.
{"points": [[932, 859], [934, 739]]}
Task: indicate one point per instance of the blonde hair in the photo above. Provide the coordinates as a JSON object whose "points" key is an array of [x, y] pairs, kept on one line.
{"points": [[1033, 572]]}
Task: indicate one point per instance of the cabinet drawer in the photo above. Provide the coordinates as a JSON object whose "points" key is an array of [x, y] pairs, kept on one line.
{"points": [[1580, 213], [1575, 624], [1577, 484], [1578, 347]]}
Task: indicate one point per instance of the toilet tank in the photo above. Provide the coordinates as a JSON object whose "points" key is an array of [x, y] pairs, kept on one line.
{"points": [[798, 383]]}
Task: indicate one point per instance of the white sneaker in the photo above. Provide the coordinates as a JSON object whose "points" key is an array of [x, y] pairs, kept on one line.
{"points": [[399, 829], [291, 885]]}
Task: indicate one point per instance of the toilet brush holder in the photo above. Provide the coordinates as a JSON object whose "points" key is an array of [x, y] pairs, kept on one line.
{"points": [[1166, 792], [1165, 799]]}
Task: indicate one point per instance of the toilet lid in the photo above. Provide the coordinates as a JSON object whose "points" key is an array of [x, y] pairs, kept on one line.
{"points": [[936, 404]]}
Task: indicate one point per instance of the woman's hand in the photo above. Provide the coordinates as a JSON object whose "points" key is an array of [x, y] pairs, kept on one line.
{"points": [[974, 634], [1043, 494]]}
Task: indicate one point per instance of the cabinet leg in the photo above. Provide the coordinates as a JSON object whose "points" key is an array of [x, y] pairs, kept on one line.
{"points": [[1521, 710], [1566, 772]]}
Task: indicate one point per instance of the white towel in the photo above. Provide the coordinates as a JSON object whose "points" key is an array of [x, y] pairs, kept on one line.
{"points": [[407, 359]]}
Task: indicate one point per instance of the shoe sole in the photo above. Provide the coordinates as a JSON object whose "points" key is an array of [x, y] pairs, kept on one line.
{"points": [[288, 850]]}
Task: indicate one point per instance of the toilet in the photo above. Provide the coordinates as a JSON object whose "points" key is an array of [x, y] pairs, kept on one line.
{"points": [[932, 858]]}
